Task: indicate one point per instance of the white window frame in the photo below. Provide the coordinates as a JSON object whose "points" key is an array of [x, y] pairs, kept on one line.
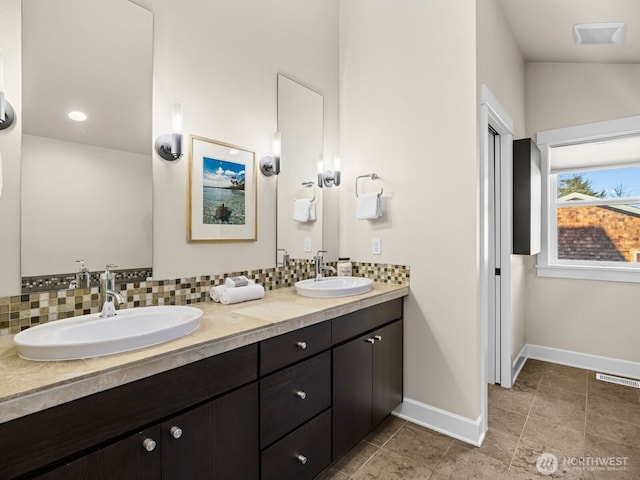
{"points": [[550, 267]]}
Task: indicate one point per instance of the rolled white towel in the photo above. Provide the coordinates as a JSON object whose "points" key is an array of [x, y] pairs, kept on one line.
{"points": [[242, 294], [368, 206], [214, 292], [239, 281]]}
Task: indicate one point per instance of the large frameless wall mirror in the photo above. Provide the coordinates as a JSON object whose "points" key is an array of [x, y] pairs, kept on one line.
{"points": [[300, 122], [86, 185]]}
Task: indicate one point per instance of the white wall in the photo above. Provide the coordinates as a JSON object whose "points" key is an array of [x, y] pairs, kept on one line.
{"points": [[566, 94], [500, 63], [592, 317], [220, 60], [501, 67], [408, 113], [10, 42], [82, 201]]}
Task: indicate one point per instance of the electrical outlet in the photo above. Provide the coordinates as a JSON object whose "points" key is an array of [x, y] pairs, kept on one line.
{"points": [[307, 244], [376, 246]]}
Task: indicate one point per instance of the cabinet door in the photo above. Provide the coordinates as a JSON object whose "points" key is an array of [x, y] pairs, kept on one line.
{"points": [[527, 208], [236, 453], [352, 393], [187, 443], [132, 457], [387, 371]]}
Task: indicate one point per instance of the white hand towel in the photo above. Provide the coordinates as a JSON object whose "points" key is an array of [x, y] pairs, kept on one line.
{"points": [[301, 210], [242, 294], [368, 206], [239, 281], [214, 292], [312, 212]]}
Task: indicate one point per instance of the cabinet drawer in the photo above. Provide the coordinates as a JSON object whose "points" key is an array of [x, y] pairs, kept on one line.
{"points": [[291, 347], [302, 454], [356, 323], [292, 396]]}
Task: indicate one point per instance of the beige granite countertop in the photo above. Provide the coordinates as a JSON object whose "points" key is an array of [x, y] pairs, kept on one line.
{"points": [[27, 387]]}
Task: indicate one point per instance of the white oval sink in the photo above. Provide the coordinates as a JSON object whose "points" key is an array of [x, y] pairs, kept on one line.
{"points": [[332, 287], [91, 336]]}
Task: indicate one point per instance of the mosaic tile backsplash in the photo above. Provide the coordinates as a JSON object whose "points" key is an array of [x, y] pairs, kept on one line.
{"points": [[48, 282], [23, 311]]}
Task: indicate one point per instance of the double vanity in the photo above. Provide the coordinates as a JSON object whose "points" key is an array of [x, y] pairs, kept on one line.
{"points": [[275, 389]]}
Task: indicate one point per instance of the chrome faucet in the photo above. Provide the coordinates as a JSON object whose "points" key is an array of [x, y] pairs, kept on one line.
{"points": [[286, 258], [108, 292], [318, 261]]}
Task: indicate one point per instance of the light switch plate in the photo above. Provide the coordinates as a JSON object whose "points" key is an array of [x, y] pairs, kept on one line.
{"points": [[307, 244], [376, 246]]}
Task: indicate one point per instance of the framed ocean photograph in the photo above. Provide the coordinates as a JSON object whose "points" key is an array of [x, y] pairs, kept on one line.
{"points": [[222, 192]]}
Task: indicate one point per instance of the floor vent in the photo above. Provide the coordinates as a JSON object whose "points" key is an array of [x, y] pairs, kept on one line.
{"points": [[620, 381]]}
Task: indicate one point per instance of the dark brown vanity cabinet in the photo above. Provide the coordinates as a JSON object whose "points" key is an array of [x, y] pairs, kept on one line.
{"points": [[367, 384], [213, 404], [212, 441], [280, 409]]}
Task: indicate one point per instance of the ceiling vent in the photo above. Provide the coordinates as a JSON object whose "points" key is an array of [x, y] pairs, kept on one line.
{"points": [[599, 33]]}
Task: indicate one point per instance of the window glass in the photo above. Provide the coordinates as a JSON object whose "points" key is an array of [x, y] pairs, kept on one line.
{"points": [[605, 230], [602, 233], [603, 183]]}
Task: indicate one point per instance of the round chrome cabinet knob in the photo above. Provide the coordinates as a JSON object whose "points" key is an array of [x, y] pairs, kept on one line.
{"points": [[302, 459], [301, 395], [149, 444], [371, 340], [175, 432], [302, 345], [378, 337]]}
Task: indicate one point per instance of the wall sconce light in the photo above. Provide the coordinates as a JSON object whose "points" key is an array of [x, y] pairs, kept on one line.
{"points": [[169, 145], [270, 165], [329, 177], [7, 115]]}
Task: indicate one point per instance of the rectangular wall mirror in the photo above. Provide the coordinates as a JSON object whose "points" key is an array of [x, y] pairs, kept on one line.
{"points": [[300, 122], [86, 185]]}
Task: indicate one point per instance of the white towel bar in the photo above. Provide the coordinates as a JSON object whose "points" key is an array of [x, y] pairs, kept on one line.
{"points": [[311, 184], [372, 176]]}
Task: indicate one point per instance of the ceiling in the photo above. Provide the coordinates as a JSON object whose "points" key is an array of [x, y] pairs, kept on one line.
{"points": [[544, 29]]}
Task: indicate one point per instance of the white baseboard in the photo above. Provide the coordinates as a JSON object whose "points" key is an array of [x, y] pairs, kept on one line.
{"points": [[470, 431], [518, 363], [451, 424], [623, 368]]}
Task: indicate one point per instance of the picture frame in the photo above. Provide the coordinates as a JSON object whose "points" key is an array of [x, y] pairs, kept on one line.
{"points": [[222, 200]]}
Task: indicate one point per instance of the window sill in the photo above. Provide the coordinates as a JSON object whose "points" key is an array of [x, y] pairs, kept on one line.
{"points": [[582, 272]]}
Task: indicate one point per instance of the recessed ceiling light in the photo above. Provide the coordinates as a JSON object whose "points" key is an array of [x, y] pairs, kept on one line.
{"points": [[599, 33], [78, 116]]}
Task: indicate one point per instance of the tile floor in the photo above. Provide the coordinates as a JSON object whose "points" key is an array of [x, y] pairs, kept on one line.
{"points": [[552, 409]]}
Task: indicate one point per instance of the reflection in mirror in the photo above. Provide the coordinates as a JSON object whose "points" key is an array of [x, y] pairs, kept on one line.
{"points": [[86, 185], [300, 121]]}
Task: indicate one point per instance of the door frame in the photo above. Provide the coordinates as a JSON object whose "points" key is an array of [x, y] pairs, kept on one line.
{"points": [[494, 282], [493, 114]]}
